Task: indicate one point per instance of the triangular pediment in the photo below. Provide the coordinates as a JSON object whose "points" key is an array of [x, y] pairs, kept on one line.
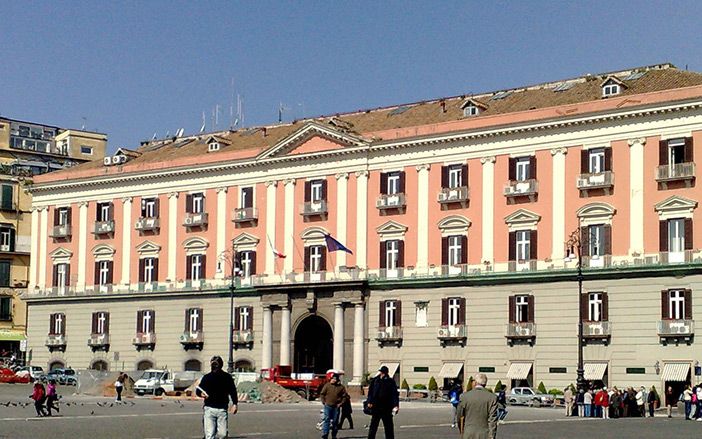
{"points": [[391, 227], [313, 137], [61, 253], [217, 139], [522, 216], [148, 247], [245, 239], [596, 210], [473, 102], [613, 80], [676, 204]]}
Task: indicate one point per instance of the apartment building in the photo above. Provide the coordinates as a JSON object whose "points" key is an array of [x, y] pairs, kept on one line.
{"points": [[458, 212], [26, 150]]}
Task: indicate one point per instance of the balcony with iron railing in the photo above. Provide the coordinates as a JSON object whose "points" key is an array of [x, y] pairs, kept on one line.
{"points": [[680, 257], [676, 171], [597, 330], [522, 265], [521, 188], [243, 337], [312, 208], [104, 227], [450, 195], [61, 231], [452, 333], [599, 180], [144, 339], [191, 338], [145, 224], [521, 331], [391, 201], [55, 341], [244, 215], [676, 328], [389, 334], [195, 219], [99, 341]]}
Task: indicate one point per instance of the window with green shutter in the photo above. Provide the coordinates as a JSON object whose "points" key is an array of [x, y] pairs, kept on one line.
{"points": [[5, 273], [6, 308], [6, 202]]}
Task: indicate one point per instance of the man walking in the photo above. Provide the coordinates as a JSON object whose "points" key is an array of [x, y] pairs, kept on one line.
{"points": [[568, 399], [333, 395], [383, 401], [477, 411], [217, 387]]}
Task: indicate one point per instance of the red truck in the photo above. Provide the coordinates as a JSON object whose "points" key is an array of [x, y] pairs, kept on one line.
{"points": [[307, 386]]}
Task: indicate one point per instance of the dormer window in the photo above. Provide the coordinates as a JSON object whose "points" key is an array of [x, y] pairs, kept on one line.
{"points": [[612, 86], [212, 147], [215, 143], [470, 110]]}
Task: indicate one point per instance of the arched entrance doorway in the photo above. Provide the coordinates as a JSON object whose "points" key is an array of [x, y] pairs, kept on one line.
{"points": [[244, 366], [193, 365], [145, 364], [100, 365], [56, 364], [314, 344]]}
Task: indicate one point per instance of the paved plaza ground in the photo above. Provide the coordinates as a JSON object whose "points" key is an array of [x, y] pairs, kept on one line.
{"points": [[143, 418]]}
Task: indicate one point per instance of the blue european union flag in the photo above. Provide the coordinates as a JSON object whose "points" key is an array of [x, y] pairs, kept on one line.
{"points": [[334, 245]]}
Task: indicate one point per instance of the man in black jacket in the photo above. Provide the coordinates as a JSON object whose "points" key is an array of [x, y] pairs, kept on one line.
{"points": [[383, 400], [217, 387]]}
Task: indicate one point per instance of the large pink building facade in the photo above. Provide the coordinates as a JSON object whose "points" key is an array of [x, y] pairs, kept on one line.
{"points": [[457, 211]]}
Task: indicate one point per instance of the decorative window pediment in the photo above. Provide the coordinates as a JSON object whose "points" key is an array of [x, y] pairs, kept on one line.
{"points": [[245, 241], [596, 213], [391, 230], [308, 131], [61, 255], [454, 225], [314, 236], [214, 143], [148, 249], [103, 252], [195, 245], [522, 220], [676, 207], [612, 86], [472, 107]]}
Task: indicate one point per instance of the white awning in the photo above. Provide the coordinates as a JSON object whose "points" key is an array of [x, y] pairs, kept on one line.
{"points": [[450, 370], [519, 371], [675, 371], [392, 368], [594, 371]]}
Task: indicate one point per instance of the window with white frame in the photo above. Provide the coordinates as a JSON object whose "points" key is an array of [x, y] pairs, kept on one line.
{"points": [[148, 208], [147, 321], [194, 319], [393, 183], [196, 268], [594, 307], [316, 189], [246, 197], [523, 244], [61, 275], [611, 89], [470, 110], [150, 274], [392, 254], [246, 261], [104, 211], [596, 238], [244, 318], [104, 268], [455, 176], [315, 258], [676, 307], [454, 311], [676, 235], [522, 168], [6, 238], [455, 250], [597, 160], [676, 151], [198, 201], [390, 310], [56, 324], [522, 308], [100, 322], [63, 219]]}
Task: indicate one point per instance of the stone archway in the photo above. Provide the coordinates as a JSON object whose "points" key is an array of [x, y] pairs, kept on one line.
{"points": [[145, 364], [314, 346], [244, 365], [56, 364], [100, 365], [193, 365]]}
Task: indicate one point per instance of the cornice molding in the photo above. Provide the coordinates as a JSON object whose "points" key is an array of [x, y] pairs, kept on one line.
{"points": [[556, 151], [637, 141], [489, 159]]}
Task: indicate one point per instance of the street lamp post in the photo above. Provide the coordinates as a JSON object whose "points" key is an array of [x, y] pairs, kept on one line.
{"points": [[575, 244], [232, 287]]}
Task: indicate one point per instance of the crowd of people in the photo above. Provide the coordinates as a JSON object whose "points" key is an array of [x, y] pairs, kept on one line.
{"points": [[611, 403], [45, 395]]}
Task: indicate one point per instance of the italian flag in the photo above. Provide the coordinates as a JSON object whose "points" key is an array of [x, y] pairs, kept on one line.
{"points": [[275, 252]]}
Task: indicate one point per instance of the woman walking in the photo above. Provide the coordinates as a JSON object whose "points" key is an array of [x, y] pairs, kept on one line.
{"points": [[39, 396], [51, 397], [670, 400], [119, 385]]}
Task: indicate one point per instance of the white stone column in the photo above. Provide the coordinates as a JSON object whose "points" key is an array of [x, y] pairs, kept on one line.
{"points": [[267, 355], [43, 241], [558, 206], [172, 235], [423, 217], [358, 344], [338, 336], [83, 227], [362, 219], [221, 245], [271, 187], [126, 239], [341, 215], [33, 251], [288, 226], [285, 336], [636, 203], [488, 210]]}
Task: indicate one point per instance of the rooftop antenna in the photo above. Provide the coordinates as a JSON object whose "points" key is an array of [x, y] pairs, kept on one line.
{"points": [[204, 123], [281, 108], [180, 132], [154, 137], [85, 121]]}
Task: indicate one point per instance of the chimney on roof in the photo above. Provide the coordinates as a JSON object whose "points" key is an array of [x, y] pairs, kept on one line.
{"points": [[264, 130], [443, 106]]}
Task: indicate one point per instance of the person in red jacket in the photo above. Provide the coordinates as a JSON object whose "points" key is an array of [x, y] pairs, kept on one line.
{"points": [[603, 397]]}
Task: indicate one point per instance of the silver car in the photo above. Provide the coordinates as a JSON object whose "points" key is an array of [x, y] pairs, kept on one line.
{"points": [[527, 396]]}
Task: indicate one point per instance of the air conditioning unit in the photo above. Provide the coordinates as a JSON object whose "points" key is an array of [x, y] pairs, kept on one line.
{"points": [[185, 338], [116, 159], [523, 330], [444, 332], [382, 335], [188, 220], [107, 161], [596, 330], [453, 195], [392, 201], [4, 248], [679, 329]]}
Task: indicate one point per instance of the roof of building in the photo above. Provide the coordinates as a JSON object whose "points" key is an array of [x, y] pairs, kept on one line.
{"points": [[247, 143]]}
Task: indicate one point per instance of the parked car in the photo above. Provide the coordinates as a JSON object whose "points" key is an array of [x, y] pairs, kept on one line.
{"points": [[62, 376], [34, 372], [527, 396]]}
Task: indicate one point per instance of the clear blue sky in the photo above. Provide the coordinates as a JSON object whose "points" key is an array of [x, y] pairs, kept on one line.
{"points": [[133, 69]]}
